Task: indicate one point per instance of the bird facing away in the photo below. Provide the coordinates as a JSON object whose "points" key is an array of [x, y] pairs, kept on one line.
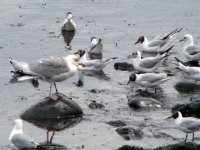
{"points": [[148, 64], [191, 51], [186, 124], [158, 44], [69, 24], [19, 139], [50, 69], [148, 80]]}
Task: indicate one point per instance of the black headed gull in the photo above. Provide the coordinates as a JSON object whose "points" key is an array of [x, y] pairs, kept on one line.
{"points": [[191, 51], [148, 64], [148, 80], [186, 124], [20, 140], [158, 44], [50, 69], [69, 24]]}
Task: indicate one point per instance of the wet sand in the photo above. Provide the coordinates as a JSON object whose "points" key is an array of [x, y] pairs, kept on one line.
{"points": [[30, 30]]}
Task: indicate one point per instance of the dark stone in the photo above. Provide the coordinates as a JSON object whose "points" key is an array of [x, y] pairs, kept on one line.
{"points": [[143, 103], [190, 109], [117, 123], [187, 87], [123, 66], [54, 115], [129, 133], [95, 105], [178, 146]]}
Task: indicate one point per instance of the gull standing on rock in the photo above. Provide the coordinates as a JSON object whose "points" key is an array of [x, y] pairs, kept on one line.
{"points": [[157, 44], [50, 69], [20, 140], [148, 64], [186, 124], [148, 80], [191, 51], [69, 24]]}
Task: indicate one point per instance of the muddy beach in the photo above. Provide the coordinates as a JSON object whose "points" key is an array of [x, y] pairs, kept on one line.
{"points": [[31, 30]]}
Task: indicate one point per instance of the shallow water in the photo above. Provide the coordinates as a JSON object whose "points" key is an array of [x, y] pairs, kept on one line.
{"points": [[31, 29]]}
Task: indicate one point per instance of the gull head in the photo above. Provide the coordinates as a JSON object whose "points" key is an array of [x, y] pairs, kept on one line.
{"points": [[140, 40], [132, 78], [187, 37], [80, 52], [74, 59], [94, 40], [18, 124], [69, 15], [175, 115]]}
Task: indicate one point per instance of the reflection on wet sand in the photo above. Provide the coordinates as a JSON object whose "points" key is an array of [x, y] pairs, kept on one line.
{"points": [[68, 37]]}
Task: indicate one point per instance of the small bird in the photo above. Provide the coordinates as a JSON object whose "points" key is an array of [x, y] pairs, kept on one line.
{"points": [[157, 44], [186, 124], [95, 49], [50, 69], [192, 72], [68, 24], [191, 51], [20, 140], [94, 64], [148, 80], [148, 64]]}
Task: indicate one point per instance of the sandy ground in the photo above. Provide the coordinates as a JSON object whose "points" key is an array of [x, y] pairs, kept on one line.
{"points": [[31, 29]]}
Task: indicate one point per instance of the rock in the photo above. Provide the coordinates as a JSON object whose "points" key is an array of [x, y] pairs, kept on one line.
{"points": [[178, 146], [129, 133], [95, 105], [117, 123], [123, 66], [143, 103], [54, 115], [187, 87], [190, 109]]}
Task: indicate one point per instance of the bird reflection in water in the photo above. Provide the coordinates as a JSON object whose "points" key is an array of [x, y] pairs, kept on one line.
{"points": [[68, 36]]}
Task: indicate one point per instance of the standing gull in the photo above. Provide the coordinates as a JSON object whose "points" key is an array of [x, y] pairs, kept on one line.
{"points": [[69, 24], [191, 51], [186, 124], [95, 48], [148, 80], [50, 69], [157, 44], [19, 139]]}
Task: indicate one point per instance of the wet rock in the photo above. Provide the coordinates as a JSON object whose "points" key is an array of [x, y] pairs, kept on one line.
{"points": [[123, 66], [187, 87], [95, 105], [94, 91], [117, 123], [54, 115], [52, 147], [143, 103], [190, 109], [178, 146], [129, 133]]}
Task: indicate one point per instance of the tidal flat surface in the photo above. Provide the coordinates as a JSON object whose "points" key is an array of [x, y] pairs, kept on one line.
{"points": [[31, 30]]}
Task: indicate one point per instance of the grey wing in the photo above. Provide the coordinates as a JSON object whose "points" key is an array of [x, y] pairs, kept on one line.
{"points": [[159, 43], [23, 141], [151, 78], [191, 124], [148, 63], [92, 46], [192, 50], [49, 66]]}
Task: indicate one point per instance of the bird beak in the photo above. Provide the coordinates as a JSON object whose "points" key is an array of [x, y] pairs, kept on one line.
{"points": [[137, 42], [128, 82], [169, 117], [182, 40], [82, 64]]}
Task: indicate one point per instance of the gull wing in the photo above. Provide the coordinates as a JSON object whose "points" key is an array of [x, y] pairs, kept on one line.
{"points": [[191, 124], [151, 77], [192, 49]]}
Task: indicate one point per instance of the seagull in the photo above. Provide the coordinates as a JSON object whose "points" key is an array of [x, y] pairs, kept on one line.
{"points": [[50, 69], [95, 48], [158, 44], [148, 80], [186, 124], [148, 64], [191, 51], [20, 140], [94, 64], [69, 24], [192, 72]]}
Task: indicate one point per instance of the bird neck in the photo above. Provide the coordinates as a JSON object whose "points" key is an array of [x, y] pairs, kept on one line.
{"points": [[145, 42], [189, 41]]}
